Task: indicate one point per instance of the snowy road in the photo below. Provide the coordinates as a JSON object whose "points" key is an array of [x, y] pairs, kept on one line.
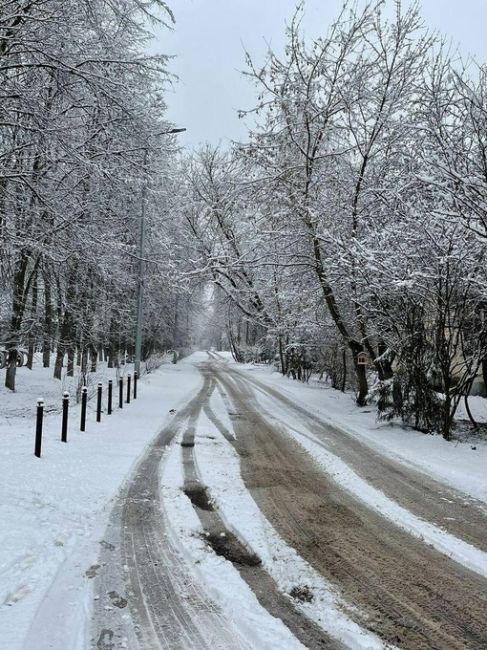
{"points": [[168, 609], [392, 587]]}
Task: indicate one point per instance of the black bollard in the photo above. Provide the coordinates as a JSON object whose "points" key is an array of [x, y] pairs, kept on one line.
{"points": [[40, 417], [98, 402], [110, 395], [120, 393], [136, 377], [64, 428], [128, 388], [84, 399]]}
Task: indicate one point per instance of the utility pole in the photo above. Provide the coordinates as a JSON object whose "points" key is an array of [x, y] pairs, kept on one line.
{"points": [[140, 275], [140, 256]]}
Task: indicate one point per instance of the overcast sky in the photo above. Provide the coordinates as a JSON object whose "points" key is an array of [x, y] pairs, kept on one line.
{"points": [[210, 37]]}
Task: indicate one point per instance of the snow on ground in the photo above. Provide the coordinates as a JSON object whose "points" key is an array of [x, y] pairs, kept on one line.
{"points": [[219, 467], [52, 507], [39, 382], [454, 463], [222, 581], [53, 510]]}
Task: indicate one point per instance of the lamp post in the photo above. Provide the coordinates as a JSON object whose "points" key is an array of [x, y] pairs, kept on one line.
{"points": [[140, 276], [140, 256]]}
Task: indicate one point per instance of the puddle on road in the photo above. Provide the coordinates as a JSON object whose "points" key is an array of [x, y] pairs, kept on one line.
{"points": [[198, 497], [228, 546]]}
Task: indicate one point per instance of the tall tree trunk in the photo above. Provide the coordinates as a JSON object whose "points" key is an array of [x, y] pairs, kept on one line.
{"points": [[447, 409], [48, 315], [362, 384], [30, 353], [175, 338], [344, 365], [18, 306], [282, 357], [58, 364], [70, 367], [484, 373], [93, 358], [65, 343], [333, 309]]}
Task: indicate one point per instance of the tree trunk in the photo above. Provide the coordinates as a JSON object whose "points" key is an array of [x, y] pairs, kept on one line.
{"points": [[484, 373], [363, 387], [70, 368], [334, 311], [18, 306], [66, 338], [93, 358], [469, 412], [30, 353], [447, 420], [344, 364], [11, 369], [175, 337], [48, 313], [58, 364], [282, 357]]}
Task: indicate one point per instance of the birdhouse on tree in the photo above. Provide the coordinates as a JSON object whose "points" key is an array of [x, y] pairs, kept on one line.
{"points": [[363, 359]]}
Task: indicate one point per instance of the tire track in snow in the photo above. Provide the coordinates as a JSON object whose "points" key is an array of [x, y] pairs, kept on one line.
{"points": [[415, 597], [247, 564], [167, 608], [458, 514]]}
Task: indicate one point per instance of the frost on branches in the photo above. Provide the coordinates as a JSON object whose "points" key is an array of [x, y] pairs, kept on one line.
{"points": [[84, 149], [351, 224]]}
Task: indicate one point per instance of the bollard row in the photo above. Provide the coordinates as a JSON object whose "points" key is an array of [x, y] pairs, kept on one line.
{"points": [[84, 400]]}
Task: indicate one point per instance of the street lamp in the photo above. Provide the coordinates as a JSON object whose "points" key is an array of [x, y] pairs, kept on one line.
{"points": [[140, 255]]}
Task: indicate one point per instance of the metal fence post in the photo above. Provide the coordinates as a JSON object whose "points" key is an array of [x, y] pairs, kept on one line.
{"points": [[39, 420], [84, 399], [120, 393], [64, 429], [98, 402], [110, 395], [128, 388], [136, 377]]}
